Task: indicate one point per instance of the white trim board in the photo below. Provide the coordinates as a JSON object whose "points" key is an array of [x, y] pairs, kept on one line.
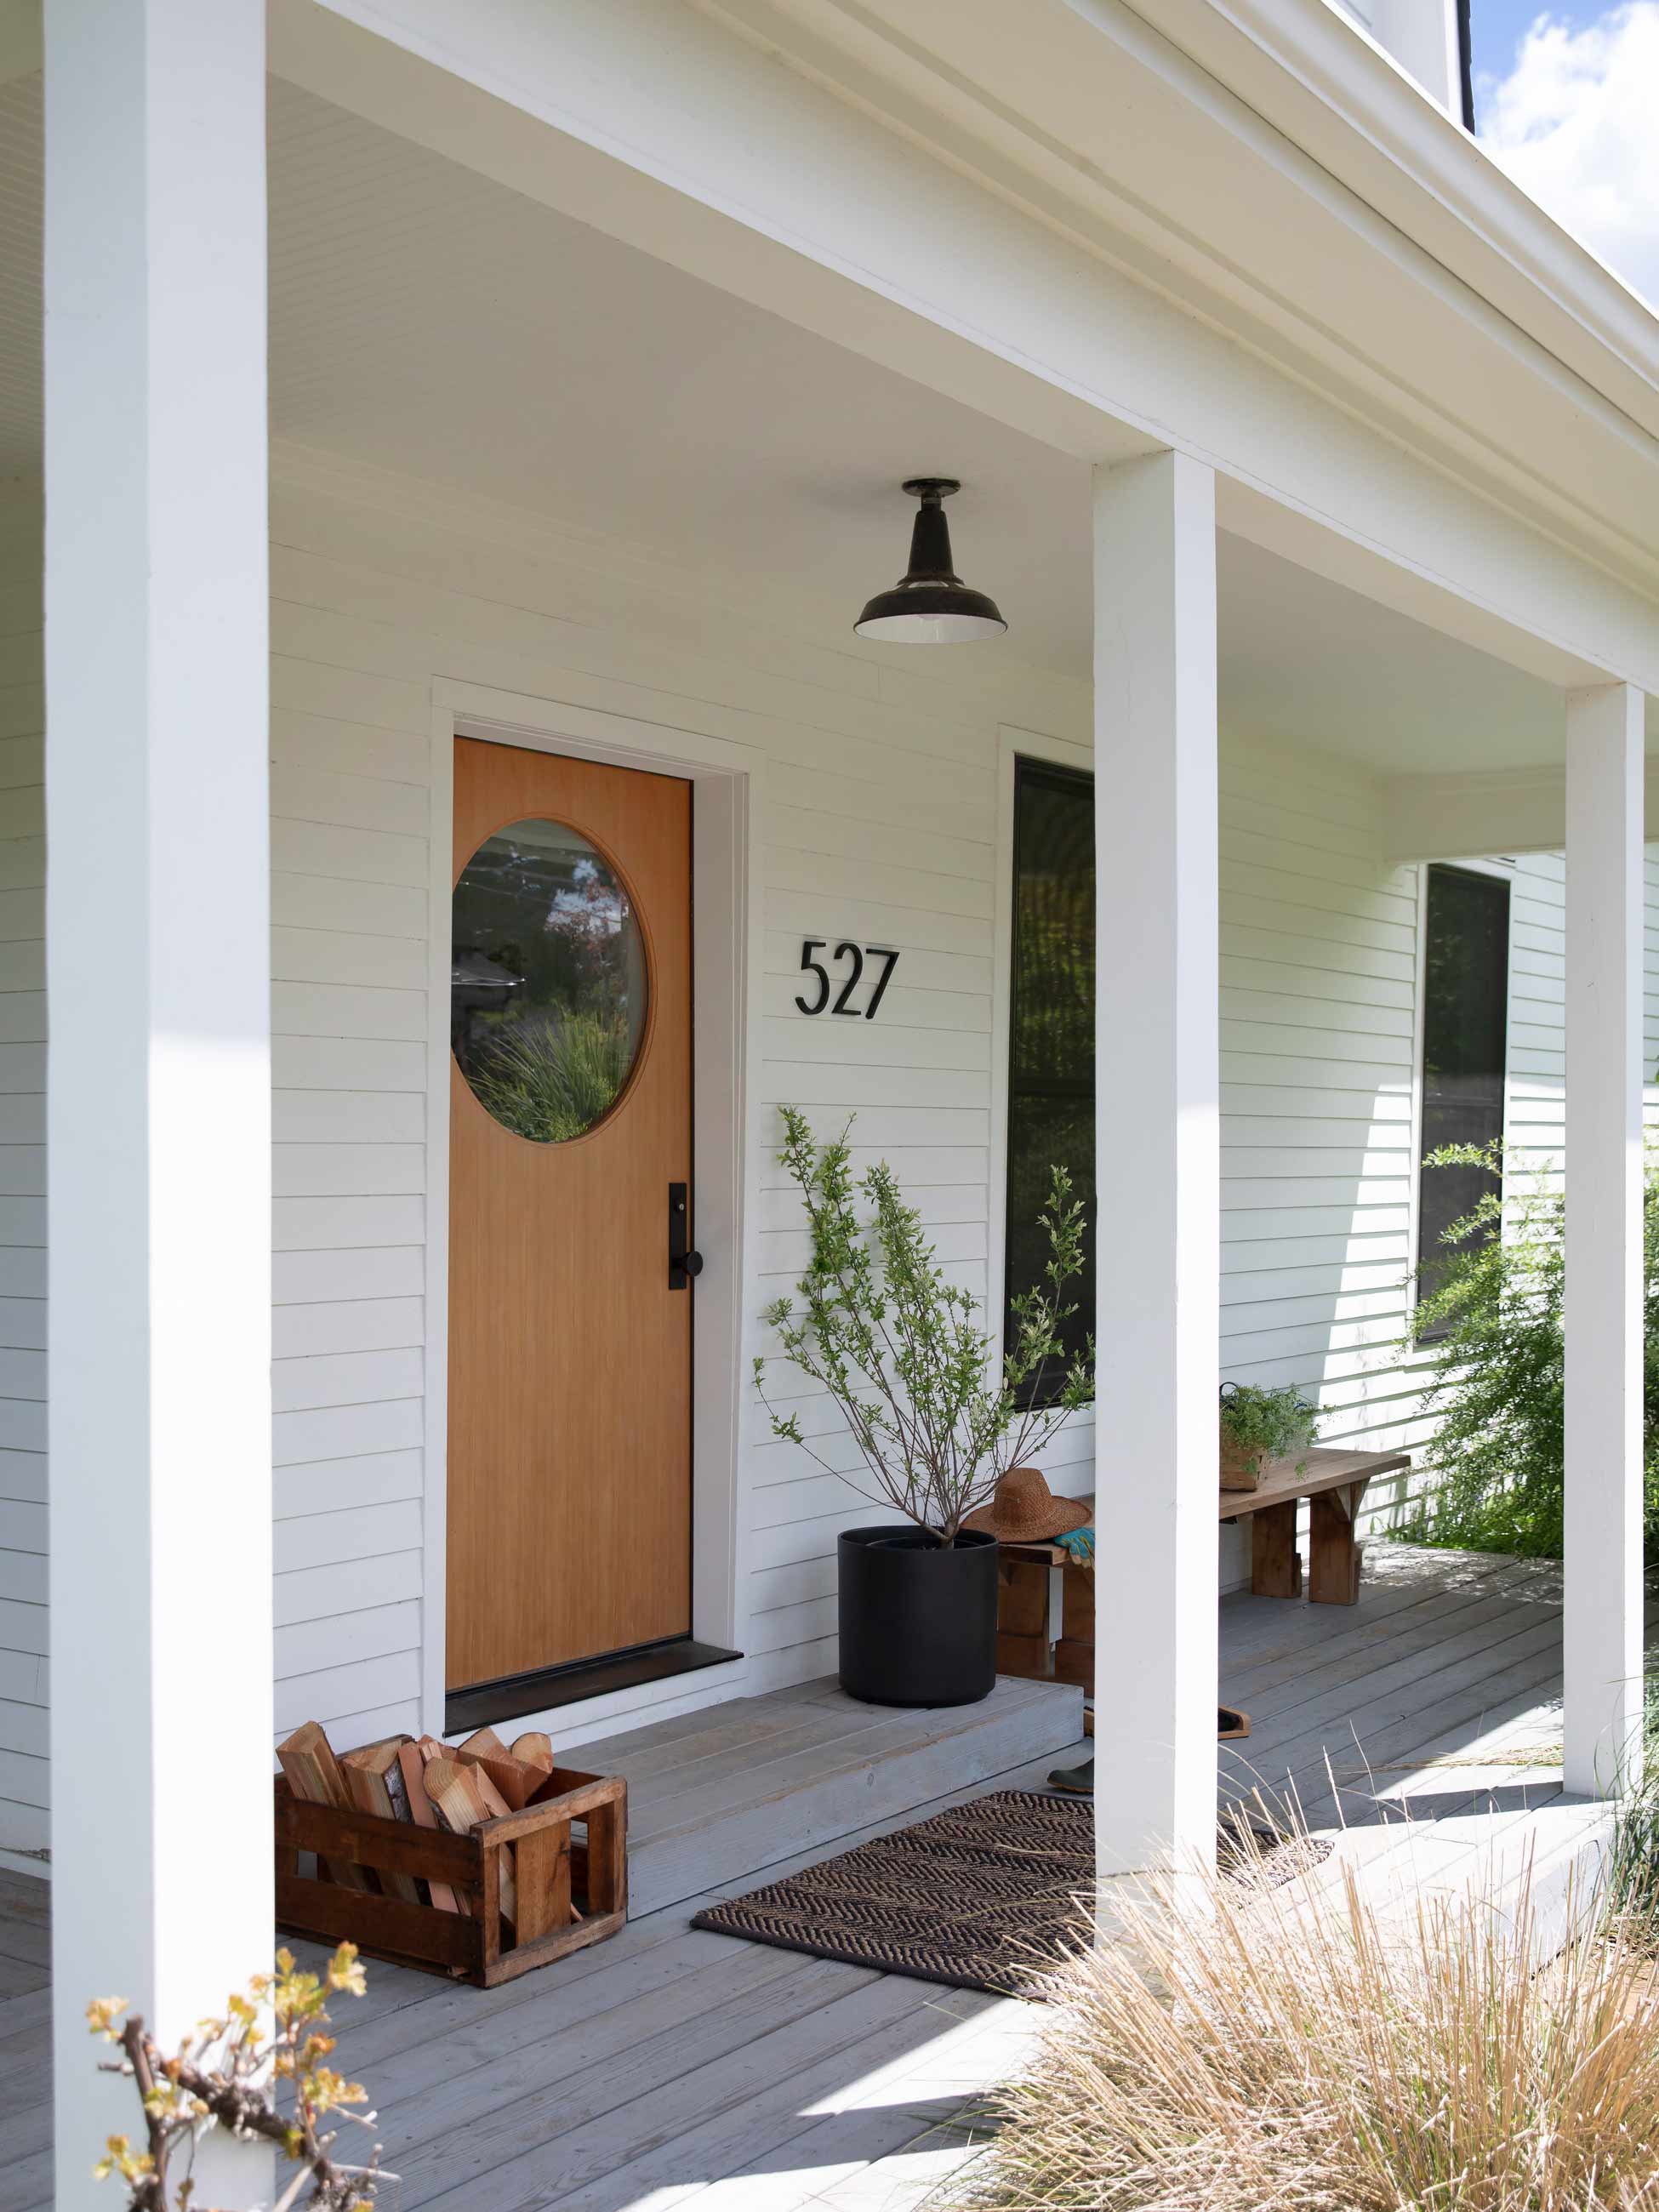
{"points": [[725, 780]]}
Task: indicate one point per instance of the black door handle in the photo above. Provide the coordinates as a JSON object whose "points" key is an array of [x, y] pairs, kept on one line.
{"points": [[684, 1265]]}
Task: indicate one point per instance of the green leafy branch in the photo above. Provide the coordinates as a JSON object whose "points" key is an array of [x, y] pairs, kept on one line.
{"points": [[228, 2074], [899, 1349]]}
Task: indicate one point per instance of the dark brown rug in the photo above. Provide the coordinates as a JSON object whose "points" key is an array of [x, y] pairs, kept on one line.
{"points": [[986, 1896], [983, 1897]]}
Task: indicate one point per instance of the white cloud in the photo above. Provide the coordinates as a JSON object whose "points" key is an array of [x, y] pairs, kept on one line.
{"points": [[1576, 124]]}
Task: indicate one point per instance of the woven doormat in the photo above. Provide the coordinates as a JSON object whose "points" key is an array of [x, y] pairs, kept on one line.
{"points": [[986, 1896]]}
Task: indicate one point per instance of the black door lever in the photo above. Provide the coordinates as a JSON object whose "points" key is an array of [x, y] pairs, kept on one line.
{"points": [[684, 1265]]}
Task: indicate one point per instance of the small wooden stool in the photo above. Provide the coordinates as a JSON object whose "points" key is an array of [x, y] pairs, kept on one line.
{"points": [[1024, 1645]]}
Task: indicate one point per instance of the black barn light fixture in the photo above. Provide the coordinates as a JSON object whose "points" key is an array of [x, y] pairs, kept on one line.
{"points": [[930, 605]]}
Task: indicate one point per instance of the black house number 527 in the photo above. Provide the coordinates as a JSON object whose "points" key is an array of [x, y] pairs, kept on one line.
{"points": [[850, 959]]}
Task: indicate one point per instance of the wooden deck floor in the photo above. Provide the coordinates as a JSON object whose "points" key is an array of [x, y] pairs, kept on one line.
{"points": [[671, 2067]]}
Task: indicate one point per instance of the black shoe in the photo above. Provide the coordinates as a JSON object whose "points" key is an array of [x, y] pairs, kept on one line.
{"points": [[1075, 1781]]}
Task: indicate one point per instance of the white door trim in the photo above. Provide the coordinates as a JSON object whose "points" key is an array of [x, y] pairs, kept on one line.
{"points": [[727, 780]]}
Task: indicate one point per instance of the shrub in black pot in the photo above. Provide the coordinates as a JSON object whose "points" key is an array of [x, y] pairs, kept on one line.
{"points": [[918, 1616], [899, 1349]]}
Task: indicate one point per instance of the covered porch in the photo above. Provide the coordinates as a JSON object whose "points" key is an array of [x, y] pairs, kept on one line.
{"points": [[559, 460], [1420, 1731]]}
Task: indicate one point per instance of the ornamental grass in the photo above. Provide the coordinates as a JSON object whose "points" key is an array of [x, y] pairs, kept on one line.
{"points": [[1253, 2051]]}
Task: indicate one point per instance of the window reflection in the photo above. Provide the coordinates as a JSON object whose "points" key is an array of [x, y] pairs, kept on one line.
{"points": [[548, 984]]}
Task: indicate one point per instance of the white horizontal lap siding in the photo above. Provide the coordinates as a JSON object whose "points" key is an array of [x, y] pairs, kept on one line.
{"points": [[1318, 999], [23, 1666], [350, 816], [867, 859]]}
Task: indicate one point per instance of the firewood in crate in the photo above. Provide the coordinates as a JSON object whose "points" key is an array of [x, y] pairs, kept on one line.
{"points": [[375, 1780], [513, 1776], [465, 1796], [306, 1758], [411, 1765], [534, 1749]]}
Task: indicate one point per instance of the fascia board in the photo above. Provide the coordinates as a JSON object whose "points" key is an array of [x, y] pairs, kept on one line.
{"points": [[1318, 76]]}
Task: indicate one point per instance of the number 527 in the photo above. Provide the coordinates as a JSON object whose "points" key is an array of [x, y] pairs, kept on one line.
{"points": [[857, 954]]}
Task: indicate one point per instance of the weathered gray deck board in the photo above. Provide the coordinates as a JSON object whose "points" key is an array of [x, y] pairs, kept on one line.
{"points": [[672, 2068], [835, 1765]]}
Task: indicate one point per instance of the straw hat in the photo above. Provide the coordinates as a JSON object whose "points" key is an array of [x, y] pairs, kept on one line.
{"points": [[1024, 1510]]}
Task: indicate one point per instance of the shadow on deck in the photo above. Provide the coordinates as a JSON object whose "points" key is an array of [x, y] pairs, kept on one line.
{"points": [[672, 2067]]}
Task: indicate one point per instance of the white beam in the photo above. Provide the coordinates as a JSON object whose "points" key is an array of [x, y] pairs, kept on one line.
{"points": [[1157, 1138], [1603, 1320], [159, 1114], [1450, 815]]}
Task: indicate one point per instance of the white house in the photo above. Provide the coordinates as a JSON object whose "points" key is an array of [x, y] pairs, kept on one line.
{"points": [[460, 414]]}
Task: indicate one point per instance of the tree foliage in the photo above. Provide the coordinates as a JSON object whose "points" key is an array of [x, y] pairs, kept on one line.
{"points": [[1492, 1319], [899, 1347]]}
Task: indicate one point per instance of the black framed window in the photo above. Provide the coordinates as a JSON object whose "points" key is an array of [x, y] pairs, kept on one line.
{"points": [[1466, 988], [1051, 1025]]}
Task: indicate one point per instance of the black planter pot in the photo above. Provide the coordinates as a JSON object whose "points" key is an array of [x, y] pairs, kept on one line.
{"points": [[918, 1622]]}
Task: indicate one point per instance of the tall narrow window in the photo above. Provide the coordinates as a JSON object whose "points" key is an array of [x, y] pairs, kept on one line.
{"points": [[1051, 1027], [1465, 1016]]}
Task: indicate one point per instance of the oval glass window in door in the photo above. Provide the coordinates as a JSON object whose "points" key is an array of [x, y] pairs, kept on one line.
{"points": [[548, 984]]}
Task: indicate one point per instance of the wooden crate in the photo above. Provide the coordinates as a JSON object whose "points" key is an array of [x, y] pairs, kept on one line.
{"points": [[553, 1866]]}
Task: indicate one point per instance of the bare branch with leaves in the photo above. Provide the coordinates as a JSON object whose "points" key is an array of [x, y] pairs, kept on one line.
{"points": [[899, 1347], [271, 2044]]}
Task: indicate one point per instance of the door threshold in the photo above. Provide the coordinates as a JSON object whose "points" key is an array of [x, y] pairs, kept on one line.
{"points": [[580, 1679]]}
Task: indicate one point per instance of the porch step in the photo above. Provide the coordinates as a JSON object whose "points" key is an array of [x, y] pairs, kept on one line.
{"points": [[716, 1795]]}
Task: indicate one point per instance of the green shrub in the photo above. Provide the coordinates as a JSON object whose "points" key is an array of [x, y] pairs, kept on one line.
{"points": [[1495, 1394]]}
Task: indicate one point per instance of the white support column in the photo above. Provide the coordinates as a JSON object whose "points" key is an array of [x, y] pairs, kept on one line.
{"points": [[1603, 1320], [157, 921], [1156, 1136]]}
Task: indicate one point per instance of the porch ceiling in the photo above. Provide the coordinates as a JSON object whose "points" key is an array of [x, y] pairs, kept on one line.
{"points": [[430, 322]]}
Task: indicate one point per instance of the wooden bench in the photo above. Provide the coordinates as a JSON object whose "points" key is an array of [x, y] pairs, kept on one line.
{"points": [[1333, 1482]]}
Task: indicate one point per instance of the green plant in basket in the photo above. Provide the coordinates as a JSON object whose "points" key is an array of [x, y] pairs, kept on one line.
{"points": [[1258, 1424]]}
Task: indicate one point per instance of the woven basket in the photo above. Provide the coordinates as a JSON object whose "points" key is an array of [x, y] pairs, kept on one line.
{"points": [[1240, 1469]]}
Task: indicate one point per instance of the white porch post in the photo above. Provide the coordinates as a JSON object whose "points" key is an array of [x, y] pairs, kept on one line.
{"points": [[1602, 1623], [1156, 1136], [157, 921]]}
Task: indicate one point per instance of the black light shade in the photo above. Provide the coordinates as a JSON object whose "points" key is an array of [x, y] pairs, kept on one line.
{"points": [[930, 605]]}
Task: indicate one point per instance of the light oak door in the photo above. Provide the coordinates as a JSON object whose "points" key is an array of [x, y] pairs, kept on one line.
{"points": [[570, 1501]]}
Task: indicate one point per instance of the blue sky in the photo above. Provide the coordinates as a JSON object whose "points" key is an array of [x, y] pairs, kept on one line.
{"points": [[1565, 100], [1497, 27]]}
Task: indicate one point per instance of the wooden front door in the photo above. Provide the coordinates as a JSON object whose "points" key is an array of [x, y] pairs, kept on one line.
{"points": [[569, 1509]]}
